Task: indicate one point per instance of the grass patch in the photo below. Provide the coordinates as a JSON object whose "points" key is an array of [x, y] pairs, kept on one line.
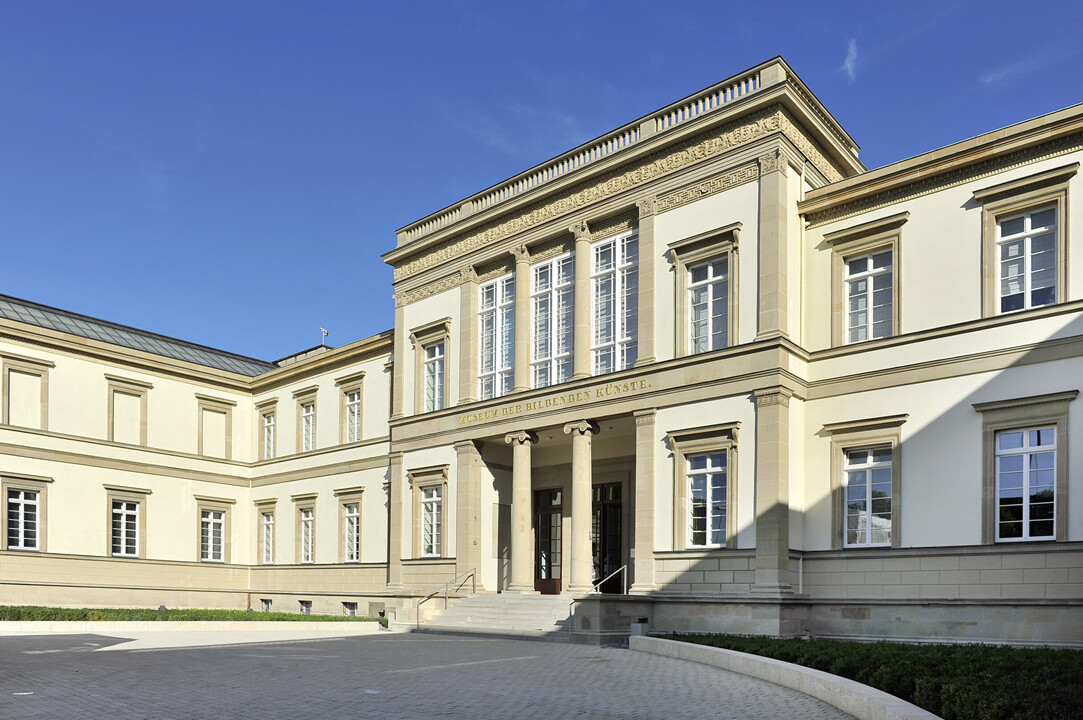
{"points": [[956, 682], [30, 612]]}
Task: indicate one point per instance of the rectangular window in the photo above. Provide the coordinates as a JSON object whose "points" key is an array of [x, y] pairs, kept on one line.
{"points": [[349, 609], [266, 604], [308, 427], [353, 531], [353, 416], [496, 336], [22, 516], [869, 297], [553, 312], [868, 488], [268, 436], [615, 281], [431, 520], [125, 528], [707, 499], [212, 531], [268, 525], [305, 607], [308, 528], [1027, 259], [434, 377], [708, 287], [1026, 477]]}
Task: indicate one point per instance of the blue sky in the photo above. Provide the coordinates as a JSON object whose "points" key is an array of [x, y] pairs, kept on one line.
{"points": [[229, 172]]}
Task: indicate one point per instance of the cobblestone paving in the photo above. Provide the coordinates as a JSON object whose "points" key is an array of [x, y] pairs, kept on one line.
{"points": [[384, 676]]}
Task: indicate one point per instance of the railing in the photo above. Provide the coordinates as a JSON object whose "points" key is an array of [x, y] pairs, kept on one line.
{"points": [[669, 117], [623, 572], [446, 589]]}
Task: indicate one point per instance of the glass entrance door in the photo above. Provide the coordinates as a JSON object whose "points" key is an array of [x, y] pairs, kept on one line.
{"points": [[605, 536], [548, 511]]}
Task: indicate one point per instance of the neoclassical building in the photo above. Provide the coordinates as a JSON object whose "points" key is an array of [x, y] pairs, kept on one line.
{"points": [[706, 370]]}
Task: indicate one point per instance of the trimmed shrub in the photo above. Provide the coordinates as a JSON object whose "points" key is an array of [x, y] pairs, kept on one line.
{"points": [[956, 682], [29, 612]]}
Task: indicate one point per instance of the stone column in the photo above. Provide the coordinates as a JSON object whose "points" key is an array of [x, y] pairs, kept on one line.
{"points": [[521, 362], [468, 337], [522, 545], [648, 263], [396, 501], [581, 339], [773, 247], [646, 448], [468, 509], [772, 490], [399, 369], [581, 555]]}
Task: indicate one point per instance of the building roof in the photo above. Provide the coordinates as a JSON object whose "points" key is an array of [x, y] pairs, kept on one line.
{"points": [[95, 329]]}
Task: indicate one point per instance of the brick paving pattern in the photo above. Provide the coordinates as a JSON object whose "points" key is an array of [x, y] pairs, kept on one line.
{"points": [[385, 676]]}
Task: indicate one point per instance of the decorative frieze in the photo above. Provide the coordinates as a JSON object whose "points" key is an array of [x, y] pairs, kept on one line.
{"points": [[428, 290], [951, 178], [769, 162], [796, 134], [773, 396], [495, 270], [614, 226], [664, 162], [550, 249], [710, 186]]}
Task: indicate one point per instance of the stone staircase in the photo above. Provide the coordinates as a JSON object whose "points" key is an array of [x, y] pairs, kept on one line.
{"points": [[538, 616]]}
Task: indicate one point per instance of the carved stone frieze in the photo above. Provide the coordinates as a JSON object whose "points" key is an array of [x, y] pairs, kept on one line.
{"points": [[550, 249], [768, 163], [428, 290], [659, 164], [710, 186], [614, 225], [796, 134], [468, 274], [773, 396], [647, 206], [495, 270], [951, 178]]}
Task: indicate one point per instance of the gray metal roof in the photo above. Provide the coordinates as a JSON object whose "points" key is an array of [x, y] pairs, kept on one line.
{"points": [[88, 327]]}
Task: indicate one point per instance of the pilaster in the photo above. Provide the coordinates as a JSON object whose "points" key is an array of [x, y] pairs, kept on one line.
{"points": [[643, 560], [468, 509], [468, 333], [521, 362], [396, 502], [773, 247], [648, 263], [772, 490], [398, 369], [581, 352]]}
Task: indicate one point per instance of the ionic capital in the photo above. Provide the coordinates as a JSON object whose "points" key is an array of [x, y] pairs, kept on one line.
{"points": [[522, 437], [582, 427], [521, 254]]}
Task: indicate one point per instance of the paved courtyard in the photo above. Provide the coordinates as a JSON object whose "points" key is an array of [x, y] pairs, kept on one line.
{"points": [[193, 675]]}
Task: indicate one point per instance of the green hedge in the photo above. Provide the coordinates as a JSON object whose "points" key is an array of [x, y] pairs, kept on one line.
{"points": [[29, 612], [956, 682]]}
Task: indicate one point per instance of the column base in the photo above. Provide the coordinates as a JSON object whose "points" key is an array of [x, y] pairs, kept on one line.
{"points": [[642, 589], [580, 589]]}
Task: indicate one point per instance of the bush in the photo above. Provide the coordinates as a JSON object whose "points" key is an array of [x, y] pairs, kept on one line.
{"points": [[956, 682], [29, 612]]}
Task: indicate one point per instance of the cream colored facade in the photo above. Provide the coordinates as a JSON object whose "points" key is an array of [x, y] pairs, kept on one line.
{"points": [[785, 394]]}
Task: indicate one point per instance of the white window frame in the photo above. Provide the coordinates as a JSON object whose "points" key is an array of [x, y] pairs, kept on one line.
{"points": [[308, 425], [552, 313], [496, 344], [306, 519], [1026, 237], [872, 296], [435, 369], [353, 415], [718, 292], [267, 528], [212, 527], [352, 519], [268, 435], [715, 464], [19, 515], [852, 494], [1029, 452], [128, 515], [615, 348], [432, 520]]}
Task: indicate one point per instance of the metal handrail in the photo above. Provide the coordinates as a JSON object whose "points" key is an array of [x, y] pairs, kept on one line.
{"points": [[623, 570], [471, 573]]}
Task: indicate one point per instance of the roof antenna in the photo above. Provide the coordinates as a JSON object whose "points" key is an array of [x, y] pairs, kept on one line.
{"points": [[323, 336]]}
